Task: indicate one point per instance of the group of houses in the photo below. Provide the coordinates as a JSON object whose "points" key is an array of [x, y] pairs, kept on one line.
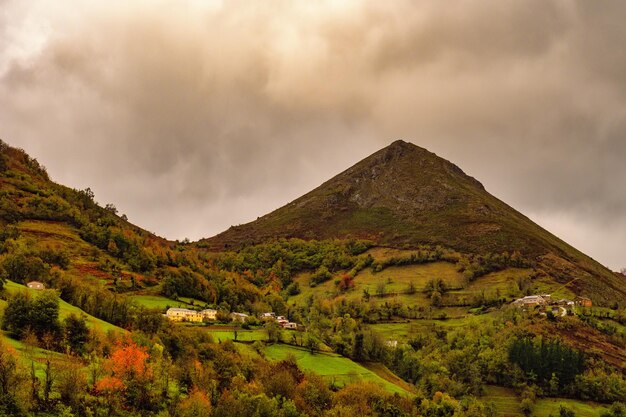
{"points": [[193, 316], [281, 320], [545, 300]]}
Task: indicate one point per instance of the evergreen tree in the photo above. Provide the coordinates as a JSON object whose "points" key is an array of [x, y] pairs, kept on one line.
{"points": [[76, 333]]}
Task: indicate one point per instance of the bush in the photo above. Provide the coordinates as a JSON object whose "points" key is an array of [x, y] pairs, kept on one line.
{"points": [[322, 275]]}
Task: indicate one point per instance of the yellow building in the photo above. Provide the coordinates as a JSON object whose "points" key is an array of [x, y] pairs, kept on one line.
{"points": [[183, 314], [209, 314]]}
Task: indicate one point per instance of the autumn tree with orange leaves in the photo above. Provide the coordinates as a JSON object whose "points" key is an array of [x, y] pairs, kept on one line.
{"points": [[130, 376]]}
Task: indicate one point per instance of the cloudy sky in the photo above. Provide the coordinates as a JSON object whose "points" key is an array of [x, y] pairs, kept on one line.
{"points": [[192, 116]]}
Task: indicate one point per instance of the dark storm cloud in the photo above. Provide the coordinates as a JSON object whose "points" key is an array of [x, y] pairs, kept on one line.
{"points": [[192, 116]]}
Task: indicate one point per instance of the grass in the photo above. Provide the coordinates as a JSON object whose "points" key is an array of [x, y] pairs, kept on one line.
{"points": [[49, 230], [158, 302], [508, 404], [242, 335], [336, 368], [65, 309], [395, 278], [405, 331]]}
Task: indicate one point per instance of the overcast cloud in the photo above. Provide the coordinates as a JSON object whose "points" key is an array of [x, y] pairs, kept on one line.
{"points": [[192, 116]]}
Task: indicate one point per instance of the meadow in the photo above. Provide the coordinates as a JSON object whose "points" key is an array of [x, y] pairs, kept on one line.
{"points": [[507, 403], [335, 368]]}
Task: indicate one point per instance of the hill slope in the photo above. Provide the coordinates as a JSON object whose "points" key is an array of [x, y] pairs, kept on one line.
{"points": [[403, 196]]}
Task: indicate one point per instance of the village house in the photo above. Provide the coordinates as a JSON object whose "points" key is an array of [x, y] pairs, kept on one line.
{"points": [[183, 314], [240, 317], [36, 285], [583, 301], [269, 315], [290, 326], [532, 301], [209, 314], [392, 343]]}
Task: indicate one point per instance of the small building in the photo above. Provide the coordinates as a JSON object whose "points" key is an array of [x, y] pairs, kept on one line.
{"points": [[183, 314], [279, 318], [290, 326], [240, 317], [268, 315], [36, 285], [531, 301], [583, 301], [209, 314]]}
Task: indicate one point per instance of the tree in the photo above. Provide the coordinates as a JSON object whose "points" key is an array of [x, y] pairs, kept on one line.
{"points": [[196, 404], [71, 383], [358, 350], [527, 406], [16, 317], [436, 299], [76, 333], [12, 382], [616, 410], [20, 267], [44, 314], [566, 412], [273, 331], [312, 343], [129, 373], [381, 289], [321, 275], [111, 208]]}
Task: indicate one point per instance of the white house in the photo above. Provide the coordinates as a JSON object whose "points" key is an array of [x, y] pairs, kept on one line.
{"points": [[240, 317], [36, 285]]}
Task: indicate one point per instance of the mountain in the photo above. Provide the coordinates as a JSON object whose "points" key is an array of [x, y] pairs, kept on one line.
{"points": [[400, 197], [403, 196]]}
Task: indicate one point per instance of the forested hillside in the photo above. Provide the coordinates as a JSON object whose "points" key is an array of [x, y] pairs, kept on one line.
{"points": [[385, 325]]}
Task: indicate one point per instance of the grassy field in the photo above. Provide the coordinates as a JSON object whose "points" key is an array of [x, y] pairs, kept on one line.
{"points": [[404, 331], [158, 302], [47, 231], [396, 279], [242, 335], [65, 309], [508, 404], [503, 281], [335, 368]]}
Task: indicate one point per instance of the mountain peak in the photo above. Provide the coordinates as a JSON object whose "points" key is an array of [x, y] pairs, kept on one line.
{"points": [[402, 195]]}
